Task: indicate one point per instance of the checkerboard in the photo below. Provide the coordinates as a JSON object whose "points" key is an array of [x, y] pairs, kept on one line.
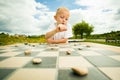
{"points": [[103, 62]]}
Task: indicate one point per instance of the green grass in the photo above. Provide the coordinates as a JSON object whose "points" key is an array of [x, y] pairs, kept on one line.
{"points": [[103, 42], [8, 40]]}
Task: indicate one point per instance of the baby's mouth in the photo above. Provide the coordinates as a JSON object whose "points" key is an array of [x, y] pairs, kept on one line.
{"points": [[63, 23]]}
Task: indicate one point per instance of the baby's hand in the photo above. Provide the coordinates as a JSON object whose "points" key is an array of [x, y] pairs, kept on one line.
{"points": [[61, 27]]}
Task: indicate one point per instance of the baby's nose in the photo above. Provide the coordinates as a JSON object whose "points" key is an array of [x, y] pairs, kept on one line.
{"points": [[64, 20]]}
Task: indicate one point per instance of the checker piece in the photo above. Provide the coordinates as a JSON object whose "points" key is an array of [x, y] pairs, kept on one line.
{"points": [[36, 60]]}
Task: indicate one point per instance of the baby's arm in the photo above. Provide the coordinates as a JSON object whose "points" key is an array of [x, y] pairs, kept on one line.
{"points": [[59, 28], [51, 41], [50, 34]]}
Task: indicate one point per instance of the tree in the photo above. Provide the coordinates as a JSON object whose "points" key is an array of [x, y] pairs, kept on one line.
{"points": [[89, 30], [82, 28], [75, 30]]}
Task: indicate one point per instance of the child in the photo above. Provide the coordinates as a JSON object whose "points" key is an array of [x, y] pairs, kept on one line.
{"points": [[60, 31]]}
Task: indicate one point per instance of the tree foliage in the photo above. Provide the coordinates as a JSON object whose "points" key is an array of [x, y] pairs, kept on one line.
{"points": [[109, 35], [82, 28]]}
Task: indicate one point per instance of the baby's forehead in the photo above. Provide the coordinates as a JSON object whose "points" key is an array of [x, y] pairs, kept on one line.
{"points": [[64, 14]]}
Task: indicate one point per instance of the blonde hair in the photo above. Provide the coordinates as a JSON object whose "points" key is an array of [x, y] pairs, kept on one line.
{"points": [[62, 9]]}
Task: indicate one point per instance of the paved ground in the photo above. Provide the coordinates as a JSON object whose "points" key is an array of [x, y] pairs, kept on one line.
{"points": [[102, 61]]}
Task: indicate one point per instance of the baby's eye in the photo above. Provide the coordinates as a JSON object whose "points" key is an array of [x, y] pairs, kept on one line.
{"points": [[61, 17], [66, 19]]}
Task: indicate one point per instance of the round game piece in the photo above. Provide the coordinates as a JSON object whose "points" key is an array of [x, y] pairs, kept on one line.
{"points": [[75, 45], [27, 52], [79, 49], [52, 48], [82, 71], [62, 27], [55, 45], [37, 60], [16, 45], [87, 45], [25, 43], [33, 45], [68, 52]]}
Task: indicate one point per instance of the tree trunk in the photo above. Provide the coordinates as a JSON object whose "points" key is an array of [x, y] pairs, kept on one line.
{"points": [[81, 36]]}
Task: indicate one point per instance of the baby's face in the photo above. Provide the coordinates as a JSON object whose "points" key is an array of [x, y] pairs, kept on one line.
{"points": [[62, 18]]}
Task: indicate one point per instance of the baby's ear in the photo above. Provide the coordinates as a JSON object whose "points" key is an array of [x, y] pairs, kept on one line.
{"points": [[55, 17]]}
